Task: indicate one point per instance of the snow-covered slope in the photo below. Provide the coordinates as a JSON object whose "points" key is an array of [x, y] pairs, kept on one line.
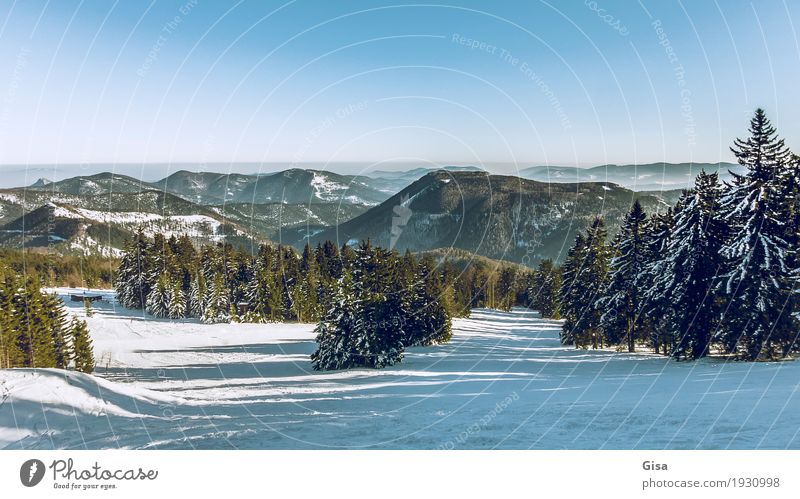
{"points": [[293, 186], [503, 382], [71, 228]]}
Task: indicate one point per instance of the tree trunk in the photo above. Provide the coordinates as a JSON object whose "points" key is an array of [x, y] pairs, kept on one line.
{"points": [[631, 331]]}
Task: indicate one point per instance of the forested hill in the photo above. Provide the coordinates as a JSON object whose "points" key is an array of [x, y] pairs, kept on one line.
{"points": [[500, 217]]}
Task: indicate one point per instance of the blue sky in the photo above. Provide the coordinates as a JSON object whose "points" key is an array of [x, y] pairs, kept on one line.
{"points": [[564, 83]]}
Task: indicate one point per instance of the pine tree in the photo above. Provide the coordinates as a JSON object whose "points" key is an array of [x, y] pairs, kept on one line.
{"points": [[177, 301], [569, 292], [87, 307], [656, 304], [257, 294], [32, 325], [217, 308], [543, 291], [336, 332], [692, 264], [759, 279], [506, 289], [426, 319], [197, 294], [158, 299], [586, 279], [622, 297], [57, 315], [82, 351], [37, 326], [132, 284], [378, 335]]}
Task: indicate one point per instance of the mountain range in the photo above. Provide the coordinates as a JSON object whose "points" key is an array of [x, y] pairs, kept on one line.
{"points": [[644, 177], [422, 209]]}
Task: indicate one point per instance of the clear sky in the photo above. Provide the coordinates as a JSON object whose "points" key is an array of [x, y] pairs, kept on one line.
{"points": [[532, 82]]}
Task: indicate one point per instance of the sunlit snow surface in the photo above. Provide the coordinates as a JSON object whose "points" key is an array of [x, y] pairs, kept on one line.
{"points": [[503, 382]]}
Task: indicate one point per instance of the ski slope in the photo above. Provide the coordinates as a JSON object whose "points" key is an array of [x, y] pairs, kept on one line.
{"points": [[503, 382]]}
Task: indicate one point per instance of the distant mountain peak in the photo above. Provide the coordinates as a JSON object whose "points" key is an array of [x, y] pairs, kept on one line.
{"points": [[41, 182]]}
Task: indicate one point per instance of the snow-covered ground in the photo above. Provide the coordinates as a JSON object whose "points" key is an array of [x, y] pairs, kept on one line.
{"points": [[503, 382]]}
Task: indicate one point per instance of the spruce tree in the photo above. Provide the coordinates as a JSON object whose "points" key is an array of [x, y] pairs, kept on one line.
{"points": [[656, 304], [82, 351], [337, 330], [87, 307], [177, 301], [197, 296], [759, 279], [506, 289], [378, 335], [544, 289], [133, 281], [621, 302], [257, 293], [426, 320], [37, 326], [586, 285], [692, 265], [217, 303], [57, 315], [569, 292], [158, 299]]}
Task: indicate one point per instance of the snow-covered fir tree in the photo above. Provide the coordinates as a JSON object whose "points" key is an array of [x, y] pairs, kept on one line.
{"points": [[377, 338], [177, 301], [257, 293], [657, 310], [569, 293], [622, 298], [758, 279], [217, 303], [585, 287], [692, 264], [543, 290], [336, 332], [426, 318], [196, 300], [158, 299], [133, 284]]}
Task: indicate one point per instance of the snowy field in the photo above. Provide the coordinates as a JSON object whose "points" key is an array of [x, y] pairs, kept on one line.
{"points": [[503, 382]]}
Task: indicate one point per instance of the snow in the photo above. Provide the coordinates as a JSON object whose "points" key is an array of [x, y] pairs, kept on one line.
{"points": [[503, 382], [191, 225], [10, 198]]}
